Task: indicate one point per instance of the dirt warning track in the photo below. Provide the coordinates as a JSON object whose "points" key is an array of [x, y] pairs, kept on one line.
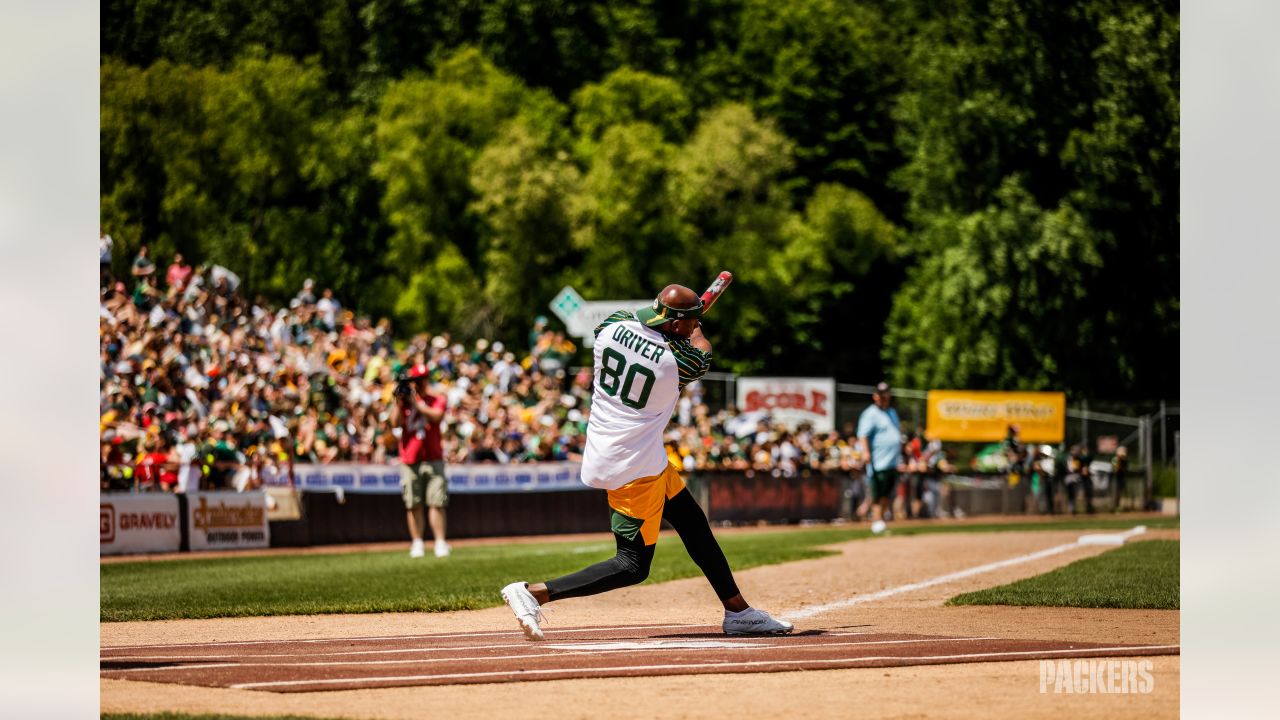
{"points": [[498, 657]]}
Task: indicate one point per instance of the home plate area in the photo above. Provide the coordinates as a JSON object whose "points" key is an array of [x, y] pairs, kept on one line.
{"points": [[594, 652]]}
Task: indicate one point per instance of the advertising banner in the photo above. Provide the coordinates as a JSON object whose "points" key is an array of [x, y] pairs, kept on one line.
{"points": [[981, 416], [227, 520], [351, 477], [138, 523], [790, 401], [519, 477], [463, 478]]}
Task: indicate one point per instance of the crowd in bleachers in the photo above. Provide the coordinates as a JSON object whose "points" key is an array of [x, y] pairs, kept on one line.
{"points": [[198, 379], [203, 385]]}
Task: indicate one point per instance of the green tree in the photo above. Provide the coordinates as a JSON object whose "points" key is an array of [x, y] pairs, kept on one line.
{"points": [[996, 300], [623, 223], [216, 34], [429, 132], [825, 70], [626, 96], [1125, 163], [1004, 173], [150, 146], [292, 183], [729, 189], [251, 168], [522, 182], [1028, 116]]}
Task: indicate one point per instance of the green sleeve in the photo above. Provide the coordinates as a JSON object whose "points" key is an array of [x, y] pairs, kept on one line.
{"points": [[614, 318], [690, 361]]}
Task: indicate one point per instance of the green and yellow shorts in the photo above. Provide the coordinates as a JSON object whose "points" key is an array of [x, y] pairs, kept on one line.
{"points": [[637, 506]]}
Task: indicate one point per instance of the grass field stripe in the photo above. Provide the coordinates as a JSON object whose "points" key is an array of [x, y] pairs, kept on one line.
{"points": [[394, 637], [951, 577], [749, 663], [328, 663]]}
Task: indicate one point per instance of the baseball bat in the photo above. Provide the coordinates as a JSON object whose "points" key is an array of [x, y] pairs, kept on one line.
{"points": [[717, 289]]}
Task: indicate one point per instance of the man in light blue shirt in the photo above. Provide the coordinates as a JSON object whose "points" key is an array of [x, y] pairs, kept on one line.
{"points": [[880, 438]]}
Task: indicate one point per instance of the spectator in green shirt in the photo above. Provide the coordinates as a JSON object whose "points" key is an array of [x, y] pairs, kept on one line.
{"points": [[142, 265]]}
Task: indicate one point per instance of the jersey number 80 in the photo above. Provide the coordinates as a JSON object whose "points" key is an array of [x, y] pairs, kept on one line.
{"points": [[614, 368]]}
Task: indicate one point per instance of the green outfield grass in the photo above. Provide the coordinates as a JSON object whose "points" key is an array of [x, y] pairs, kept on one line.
{"points": [[390, 581], [1137, 575]]}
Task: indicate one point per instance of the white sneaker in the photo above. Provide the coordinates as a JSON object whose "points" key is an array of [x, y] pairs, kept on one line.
{"points": [[417, 549], [443, 549], [755, 622], [525, 607]]}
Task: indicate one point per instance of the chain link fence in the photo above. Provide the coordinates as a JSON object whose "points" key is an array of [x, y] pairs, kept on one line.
{"points": [[1149, 432]]}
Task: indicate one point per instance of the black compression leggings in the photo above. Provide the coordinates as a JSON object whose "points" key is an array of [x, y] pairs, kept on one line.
{"points": [[631, 563]]}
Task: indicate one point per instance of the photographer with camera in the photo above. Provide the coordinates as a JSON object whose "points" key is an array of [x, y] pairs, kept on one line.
{"points": [[418, 416]]}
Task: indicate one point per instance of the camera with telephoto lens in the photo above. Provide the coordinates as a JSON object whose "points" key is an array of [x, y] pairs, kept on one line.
{"points": [[404, 384]]}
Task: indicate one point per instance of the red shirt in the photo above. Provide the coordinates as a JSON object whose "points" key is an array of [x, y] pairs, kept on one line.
{"points": [[420, 439], [151, 469], [178, 274]]}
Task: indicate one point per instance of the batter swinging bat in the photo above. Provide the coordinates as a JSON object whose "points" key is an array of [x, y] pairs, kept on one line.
{"points": [[717, 289]]}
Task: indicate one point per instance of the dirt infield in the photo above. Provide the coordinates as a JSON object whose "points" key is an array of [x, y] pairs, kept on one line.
{"points": [[908, 625], [494, 657]]}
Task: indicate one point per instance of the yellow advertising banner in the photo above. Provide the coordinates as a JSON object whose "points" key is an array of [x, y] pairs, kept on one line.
{"points": [[978, 416]]}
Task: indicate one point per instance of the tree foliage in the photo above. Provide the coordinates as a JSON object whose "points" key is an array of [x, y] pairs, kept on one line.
{"points": [[253, 168], [1041, 171], [975, 193]]}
